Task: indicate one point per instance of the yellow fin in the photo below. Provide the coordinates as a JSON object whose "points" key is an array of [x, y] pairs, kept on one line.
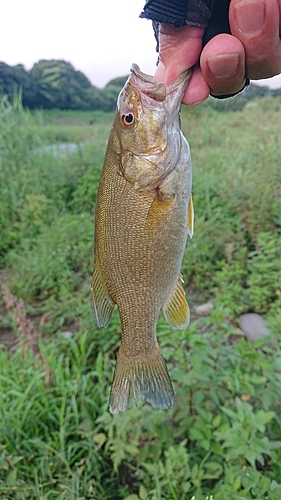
{"points": [[141, 378], [190, 218], [102, 304], [158, 213], [176, 309]]}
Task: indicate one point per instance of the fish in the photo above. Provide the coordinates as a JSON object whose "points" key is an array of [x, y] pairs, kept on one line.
{"points": [[143, 215]]}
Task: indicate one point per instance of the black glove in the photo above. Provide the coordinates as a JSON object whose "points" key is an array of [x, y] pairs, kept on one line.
{"points": [[209, 14]]}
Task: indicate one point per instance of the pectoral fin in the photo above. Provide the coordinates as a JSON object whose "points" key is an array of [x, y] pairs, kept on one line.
{"points": [[102, 304], [176, 309], [190, 217], [158, 213]]}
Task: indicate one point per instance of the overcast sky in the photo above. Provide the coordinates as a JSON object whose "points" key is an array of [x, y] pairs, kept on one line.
{"points": [[99, 37]]}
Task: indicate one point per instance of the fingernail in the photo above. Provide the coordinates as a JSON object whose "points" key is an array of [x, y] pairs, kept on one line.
{"points": [[197, 102], [159, 74], [223, 66], [250, 16]]}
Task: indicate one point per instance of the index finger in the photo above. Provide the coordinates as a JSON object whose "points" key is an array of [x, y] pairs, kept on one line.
{"points": [[179, 50]]}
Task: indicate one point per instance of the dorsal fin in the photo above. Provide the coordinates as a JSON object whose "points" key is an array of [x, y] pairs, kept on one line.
{"points": [[176, 309], [190, 217]]}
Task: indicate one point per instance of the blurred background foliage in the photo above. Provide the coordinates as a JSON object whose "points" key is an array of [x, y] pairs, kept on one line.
{"points": [[222, 439]]}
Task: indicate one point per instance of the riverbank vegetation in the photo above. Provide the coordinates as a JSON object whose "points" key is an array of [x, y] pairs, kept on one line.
{"points": [[57, 438]]}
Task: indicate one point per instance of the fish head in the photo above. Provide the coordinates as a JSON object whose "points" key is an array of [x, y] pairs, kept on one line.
{"points": [[147, 125]]}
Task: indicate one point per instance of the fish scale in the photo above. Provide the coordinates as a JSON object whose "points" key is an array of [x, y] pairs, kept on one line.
{"points": [[143, 216]]}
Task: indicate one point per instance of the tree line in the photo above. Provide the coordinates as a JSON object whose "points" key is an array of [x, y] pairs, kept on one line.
{"points": [[237, 102], [57, 84]]}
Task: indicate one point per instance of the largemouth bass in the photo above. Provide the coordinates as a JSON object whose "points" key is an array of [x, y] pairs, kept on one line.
{"points": [[143, 215]]}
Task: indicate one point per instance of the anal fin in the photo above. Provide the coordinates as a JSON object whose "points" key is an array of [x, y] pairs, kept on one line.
{"points": [[176, 309], [102, 304]]}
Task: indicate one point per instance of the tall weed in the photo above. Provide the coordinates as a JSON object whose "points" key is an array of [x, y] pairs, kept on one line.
{"points": [[221, 438]]}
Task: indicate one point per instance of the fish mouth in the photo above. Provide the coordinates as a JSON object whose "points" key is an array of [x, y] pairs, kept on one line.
{"points": [[157, 90]]}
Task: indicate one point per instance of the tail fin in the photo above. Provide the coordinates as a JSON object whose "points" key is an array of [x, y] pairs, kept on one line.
{"points": [[141, 378]]}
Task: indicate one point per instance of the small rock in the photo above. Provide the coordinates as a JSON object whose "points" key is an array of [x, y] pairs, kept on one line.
{"points": [[67, 334], [253, 325], [204, 309]]}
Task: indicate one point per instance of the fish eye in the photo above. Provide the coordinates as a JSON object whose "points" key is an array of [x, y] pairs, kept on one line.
{"points": [[128, 119]]}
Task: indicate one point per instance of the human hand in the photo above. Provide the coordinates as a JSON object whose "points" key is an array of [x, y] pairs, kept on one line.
{"points": [[253, 50]]}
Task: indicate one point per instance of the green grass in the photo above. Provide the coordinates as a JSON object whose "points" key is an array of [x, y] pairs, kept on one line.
{"points": [[70, 126], [74, 126], [223, 437]]}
